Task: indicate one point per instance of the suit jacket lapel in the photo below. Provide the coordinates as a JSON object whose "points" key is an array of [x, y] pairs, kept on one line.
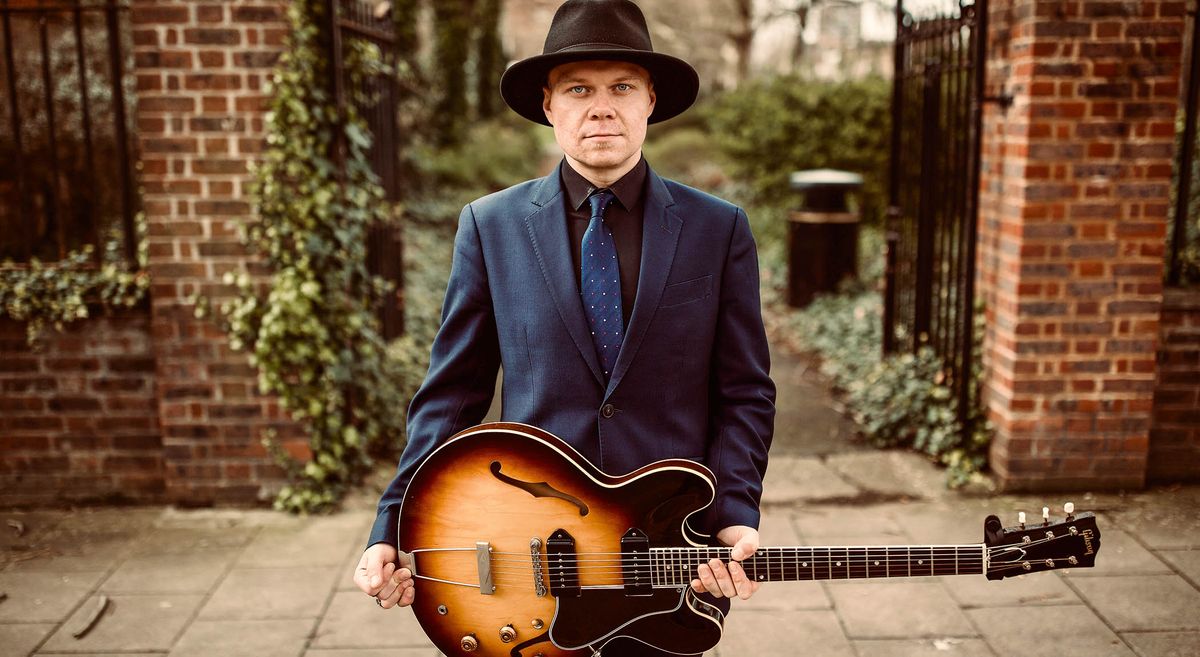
{"points": [[660, 236], [547, 228]]}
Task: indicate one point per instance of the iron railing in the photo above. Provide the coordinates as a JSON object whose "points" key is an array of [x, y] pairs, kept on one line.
{"points": [[66, 161], [1185, 159], [375, 101], [934, 189]]}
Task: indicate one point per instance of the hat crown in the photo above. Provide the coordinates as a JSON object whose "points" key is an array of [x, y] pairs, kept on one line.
{"points": [[592, 23]]}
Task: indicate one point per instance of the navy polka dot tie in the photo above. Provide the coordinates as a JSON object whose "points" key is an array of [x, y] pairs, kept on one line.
{"points": [[600, 284]]}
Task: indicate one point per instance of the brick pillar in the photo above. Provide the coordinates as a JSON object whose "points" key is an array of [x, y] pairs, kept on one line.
{"points": [[1073, 214], [200, 69]]}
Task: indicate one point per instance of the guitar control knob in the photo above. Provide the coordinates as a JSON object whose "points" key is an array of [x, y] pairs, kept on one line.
{"points": [[469, 643], [508, 633]]}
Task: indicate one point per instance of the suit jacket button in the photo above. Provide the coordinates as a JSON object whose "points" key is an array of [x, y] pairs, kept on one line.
{"points": [[607, 410]]}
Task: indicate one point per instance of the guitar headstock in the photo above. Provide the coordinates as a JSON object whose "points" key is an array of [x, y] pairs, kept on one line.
{"points": [[1052, 544]]}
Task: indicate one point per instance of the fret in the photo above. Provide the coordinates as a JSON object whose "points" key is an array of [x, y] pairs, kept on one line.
{"points": [[922, 558], [808, 563], [877, 562], [943, 560], [856, 563]]}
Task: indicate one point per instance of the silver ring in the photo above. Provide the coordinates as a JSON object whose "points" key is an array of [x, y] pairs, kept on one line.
{"points": [[379, 602]]}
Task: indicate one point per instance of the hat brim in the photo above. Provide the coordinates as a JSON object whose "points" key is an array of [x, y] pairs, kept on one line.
{"points": [[675, 81]]}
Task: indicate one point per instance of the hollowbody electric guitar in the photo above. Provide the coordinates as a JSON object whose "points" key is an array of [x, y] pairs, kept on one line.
{"points": [[522, 548]]}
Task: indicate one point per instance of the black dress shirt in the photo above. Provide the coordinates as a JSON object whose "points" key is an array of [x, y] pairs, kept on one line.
{"points": [[624, 219]]}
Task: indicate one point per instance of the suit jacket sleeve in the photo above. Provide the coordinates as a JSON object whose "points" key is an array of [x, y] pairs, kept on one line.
{"points": [[463, 365], [743, 395]]}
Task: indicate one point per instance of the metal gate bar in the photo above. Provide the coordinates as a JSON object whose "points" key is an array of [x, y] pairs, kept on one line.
{"points": [[936, 119]]}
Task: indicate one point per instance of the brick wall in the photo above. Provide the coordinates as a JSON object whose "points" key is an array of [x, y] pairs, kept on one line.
{"points": [[1175, 433], [1073, 213], [201, 68], [79, 418]]}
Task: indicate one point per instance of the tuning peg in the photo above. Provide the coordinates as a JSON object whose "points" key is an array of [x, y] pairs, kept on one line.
{"points": [[1046, 515], [1021, 518], [1069, 509]]}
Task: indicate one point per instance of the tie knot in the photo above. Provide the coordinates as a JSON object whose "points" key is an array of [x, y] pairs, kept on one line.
{"points": [[600, 201]]}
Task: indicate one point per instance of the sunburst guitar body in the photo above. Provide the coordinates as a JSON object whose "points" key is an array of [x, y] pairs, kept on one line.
{"points": [[522, 548]]}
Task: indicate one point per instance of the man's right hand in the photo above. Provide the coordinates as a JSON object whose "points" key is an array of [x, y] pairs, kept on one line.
{"points": [[378, 576]]}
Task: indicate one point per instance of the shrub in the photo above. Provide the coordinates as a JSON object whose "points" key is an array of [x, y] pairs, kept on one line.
{"points": [[770, 128]]}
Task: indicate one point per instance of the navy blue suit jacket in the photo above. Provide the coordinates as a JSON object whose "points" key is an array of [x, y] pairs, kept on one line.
{"points": [[691, 379]]}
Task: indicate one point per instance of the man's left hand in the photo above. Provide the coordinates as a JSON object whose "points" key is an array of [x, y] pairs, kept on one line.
{"points": [[730, 580]]}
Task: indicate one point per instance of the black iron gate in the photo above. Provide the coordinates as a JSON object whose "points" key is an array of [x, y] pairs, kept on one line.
{"points": [[936, 113], [376, 102]]}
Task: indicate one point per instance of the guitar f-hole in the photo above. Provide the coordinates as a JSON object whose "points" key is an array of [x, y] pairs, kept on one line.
{"points": [[539, 489]]}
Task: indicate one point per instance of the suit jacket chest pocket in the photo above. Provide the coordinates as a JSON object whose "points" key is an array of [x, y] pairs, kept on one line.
{"points": [[684, 292]]}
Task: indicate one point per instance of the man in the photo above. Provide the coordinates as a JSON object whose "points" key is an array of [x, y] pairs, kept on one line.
{"points": [[622, 307]]}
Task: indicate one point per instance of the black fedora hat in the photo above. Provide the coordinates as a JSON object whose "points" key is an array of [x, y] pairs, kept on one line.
{"points": [[600, 30]]}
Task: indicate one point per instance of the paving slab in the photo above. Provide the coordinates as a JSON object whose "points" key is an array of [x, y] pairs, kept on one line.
{"points": [[43, 597], [270, 593], [1186, 561], [131, 623], [20, 639], [264, 638], [354, 621], [1161, 526], [948, 647], [891, 473], [1033, 589], [899, 609], [1047, 632], [814, 633], [188, 572], [323, 541], [795, 479], [943, 523], [816, 523], [1164, 644], [1140, 603], [1120, 554], [182, 540]]}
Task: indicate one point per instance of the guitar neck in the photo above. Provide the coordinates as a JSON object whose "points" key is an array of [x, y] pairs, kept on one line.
{"points": [[677, 566]]}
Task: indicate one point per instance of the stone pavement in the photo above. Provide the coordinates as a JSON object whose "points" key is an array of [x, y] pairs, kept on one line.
{"points": [[258, 583]]}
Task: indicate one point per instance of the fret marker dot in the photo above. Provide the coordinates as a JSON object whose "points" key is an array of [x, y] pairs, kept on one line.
{"points": [[921, 561], [839, 563], [876, 563], [805, 564], [760, 576]]}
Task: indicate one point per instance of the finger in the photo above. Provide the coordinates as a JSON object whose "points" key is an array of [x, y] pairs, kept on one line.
{"points": [[740, 583], [396, 596], [374, 575], [410, 594], [708, 579], [389, 583], [745, 547], [361, 579], [723, 580]]}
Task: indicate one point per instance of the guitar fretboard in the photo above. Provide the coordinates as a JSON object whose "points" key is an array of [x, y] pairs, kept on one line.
{"points": [[677, 566]]}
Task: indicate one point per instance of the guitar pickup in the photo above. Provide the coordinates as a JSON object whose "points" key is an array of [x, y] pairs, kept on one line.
{"points": [[563, 565], [635, 563], [483, 559]]}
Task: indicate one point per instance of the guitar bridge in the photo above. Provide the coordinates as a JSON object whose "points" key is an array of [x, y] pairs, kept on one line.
{"points": [[535, 555], [483, 559]]}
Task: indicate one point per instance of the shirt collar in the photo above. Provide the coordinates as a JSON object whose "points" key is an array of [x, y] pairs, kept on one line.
{"points": [[627, 190]]}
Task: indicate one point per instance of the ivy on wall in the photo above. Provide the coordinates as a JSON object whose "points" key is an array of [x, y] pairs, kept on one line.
{"points": [[58, 293], [310, 328]]}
